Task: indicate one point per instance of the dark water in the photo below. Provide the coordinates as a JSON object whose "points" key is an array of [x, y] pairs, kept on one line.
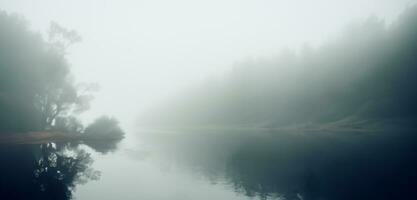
{"points": [[217, 165]]}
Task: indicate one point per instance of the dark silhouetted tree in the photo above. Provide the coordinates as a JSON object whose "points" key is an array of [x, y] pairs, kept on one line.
{"points": [[104, 127], [35, 81]]}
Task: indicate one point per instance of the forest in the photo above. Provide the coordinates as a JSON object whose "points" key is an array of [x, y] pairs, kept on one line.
{"points": [[363, 79], [37, 90]]}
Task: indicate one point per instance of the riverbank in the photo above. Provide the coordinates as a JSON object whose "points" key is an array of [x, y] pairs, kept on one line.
{"points": [[45, 137]]}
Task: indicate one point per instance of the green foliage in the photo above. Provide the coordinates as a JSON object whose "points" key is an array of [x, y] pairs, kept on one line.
{"points": [[35, 81], [69, 125], [104, 128], [368, 73]]}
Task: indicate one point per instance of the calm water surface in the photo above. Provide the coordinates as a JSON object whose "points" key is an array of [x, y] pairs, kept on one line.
{"points": [[216, 165]]}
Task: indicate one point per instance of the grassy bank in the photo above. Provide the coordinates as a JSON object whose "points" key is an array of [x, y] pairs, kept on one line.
{"points": [[45, 137]]}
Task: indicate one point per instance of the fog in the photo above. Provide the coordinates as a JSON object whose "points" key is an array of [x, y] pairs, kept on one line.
{"points": [[145, 51], [362, 79], [185, 100]]}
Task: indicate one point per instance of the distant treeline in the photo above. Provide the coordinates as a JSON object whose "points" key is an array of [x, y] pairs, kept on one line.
{"points": [[367, 74]]}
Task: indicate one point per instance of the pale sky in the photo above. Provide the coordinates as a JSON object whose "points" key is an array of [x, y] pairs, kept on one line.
{"points": [[141, 52]]}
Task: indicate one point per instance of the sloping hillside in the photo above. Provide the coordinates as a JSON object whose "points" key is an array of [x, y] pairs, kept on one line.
{"points": [[366, 77]]}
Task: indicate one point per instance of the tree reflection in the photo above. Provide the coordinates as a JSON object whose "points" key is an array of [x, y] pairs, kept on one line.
{"points": [[301, 165], [319, 166], [103, 146], [43, 171]]}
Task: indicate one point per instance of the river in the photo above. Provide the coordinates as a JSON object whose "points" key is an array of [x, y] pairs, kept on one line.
{"points": [[217, 164]]}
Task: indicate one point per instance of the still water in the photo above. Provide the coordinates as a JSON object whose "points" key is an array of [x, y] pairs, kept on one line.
{"points": [[228, 164]]}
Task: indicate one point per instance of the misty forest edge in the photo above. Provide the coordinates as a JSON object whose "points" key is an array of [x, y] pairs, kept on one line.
{"points": [[363, 81], [39, 101]]}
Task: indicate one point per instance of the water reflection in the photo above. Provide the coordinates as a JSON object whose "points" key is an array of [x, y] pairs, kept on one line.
{"points": [[46, 171], [228, 165], [305, 166], [103, 146]]}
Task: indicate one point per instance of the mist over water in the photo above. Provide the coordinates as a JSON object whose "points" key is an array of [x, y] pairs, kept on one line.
{"points": [[269, 100], [313, 165], [358, 81], [145, 52]]}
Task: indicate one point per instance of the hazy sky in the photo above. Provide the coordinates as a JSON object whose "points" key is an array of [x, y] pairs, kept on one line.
{"points": [[141, 52]]}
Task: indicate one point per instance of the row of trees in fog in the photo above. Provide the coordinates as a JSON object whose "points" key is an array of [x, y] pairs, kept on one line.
{"points": [[367, 74], [37, 90]]}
